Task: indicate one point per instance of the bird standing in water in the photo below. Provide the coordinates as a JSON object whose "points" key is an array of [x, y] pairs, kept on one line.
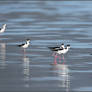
{"points": [[60, 51], [25, 45]]}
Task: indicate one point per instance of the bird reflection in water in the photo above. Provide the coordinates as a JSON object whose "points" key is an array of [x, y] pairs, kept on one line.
{"points": [[26, 70], [2, 55], [62, 72]]}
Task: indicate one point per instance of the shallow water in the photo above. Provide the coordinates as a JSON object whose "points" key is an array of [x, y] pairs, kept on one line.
{"points": [[46, 23]]}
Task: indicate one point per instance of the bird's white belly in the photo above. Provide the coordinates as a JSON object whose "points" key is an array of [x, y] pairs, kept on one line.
{"points": [[2, 30], [25, 46], [62, 51]]}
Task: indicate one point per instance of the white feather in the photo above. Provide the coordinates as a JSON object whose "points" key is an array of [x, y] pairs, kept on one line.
{"points": [[3, 28], [26, 44]]}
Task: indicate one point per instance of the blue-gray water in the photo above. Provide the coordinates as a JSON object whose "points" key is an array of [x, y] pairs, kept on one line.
{"points": [[46, 23]]}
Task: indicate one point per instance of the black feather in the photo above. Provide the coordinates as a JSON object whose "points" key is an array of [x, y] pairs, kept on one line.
{"points": [[21, 45], [53, 47]]}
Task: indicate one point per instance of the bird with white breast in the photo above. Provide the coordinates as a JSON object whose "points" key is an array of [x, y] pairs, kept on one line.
{"points": [[62, 50], [25, 45]]}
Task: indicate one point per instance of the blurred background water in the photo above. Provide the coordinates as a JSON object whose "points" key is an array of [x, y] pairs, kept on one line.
{"points": [[46, 23]]}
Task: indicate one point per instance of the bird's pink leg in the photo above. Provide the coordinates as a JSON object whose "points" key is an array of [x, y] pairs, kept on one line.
{"points": [[59, 59], [64, 60], [55, 59]]}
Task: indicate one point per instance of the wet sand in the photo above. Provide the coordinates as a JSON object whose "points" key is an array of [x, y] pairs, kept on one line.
{"points": [[46, 23]]}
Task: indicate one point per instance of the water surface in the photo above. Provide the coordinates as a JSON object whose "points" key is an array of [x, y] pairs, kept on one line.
{"points": [[46, 23]]}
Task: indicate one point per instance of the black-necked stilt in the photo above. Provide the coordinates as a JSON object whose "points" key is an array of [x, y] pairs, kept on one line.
{"points": [[3, 28], [25, 45], [60, 51]]}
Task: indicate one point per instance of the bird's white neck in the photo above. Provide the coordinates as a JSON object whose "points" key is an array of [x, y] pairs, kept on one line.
{"points": [[67, 48], [3, 28], [62, 46], [28, 42]]}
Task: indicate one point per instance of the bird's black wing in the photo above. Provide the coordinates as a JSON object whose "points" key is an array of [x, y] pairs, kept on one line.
{"points": [[60, 49], [21, 45], [53, 48], [0, 29], [57, 49]]}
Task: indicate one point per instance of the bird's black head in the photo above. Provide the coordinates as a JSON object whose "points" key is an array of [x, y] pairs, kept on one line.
{"points": [[4, 25], [28, 40], [62, 44], [68, 45]]}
